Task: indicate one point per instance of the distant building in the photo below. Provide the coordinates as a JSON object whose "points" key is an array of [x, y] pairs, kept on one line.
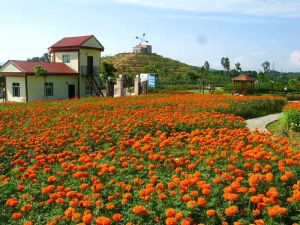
{"points": [[142, 49]]}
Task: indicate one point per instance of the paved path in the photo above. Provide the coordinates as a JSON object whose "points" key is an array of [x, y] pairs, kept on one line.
{"points": [[260, 123]]}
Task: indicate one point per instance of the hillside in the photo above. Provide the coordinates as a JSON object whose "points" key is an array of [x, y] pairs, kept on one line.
{"points": [[149, 63]]}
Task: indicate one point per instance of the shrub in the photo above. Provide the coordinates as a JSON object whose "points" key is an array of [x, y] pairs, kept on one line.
{"points": [[291, 117]]}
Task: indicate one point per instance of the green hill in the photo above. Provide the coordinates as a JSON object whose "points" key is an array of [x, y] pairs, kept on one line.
{"points": [[130, 63]]}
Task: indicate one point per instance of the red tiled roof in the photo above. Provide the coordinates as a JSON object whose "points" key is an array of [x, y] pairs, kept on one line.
{"points": [[244, 77], [71, 41], [51, 67]]}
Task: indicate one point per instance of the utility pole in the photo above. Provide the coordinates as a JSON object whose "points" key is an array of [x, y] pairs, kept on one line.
{"points": [[273, 71]]}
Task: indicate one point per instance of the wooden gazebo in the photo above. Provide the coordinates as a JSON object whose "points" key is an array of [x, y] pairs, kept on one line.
{"points": [[243, 79]]}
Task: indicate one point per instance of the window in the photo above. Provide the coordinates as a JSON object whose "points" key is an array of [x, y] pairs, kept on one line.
{"points": [[66, 58], [16, 89], [88, 90], [48, 89]]}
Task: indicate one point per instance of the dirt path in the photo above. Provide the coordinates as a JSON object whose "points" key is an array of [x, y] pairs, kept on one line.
{"points": [[261, 122]]}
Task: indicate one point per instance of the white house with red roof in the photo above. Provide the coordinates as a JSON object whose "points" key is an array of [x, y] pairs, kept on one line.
{"points": [[72, 72]]}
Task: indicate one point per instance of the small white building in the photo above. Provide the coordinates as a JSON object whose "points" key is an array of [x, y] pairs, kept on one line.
{"points": [[142, 49], [72, 72]]}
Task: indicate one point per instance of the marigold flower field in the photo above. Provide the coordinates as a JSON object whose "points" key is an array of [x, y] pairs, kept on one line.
{"points": [[157, 159]]}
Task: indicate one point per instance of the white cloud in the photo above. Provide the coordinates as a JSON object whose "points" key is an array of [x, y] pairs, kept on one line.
{"points": [[273, 8], [294, 59]]}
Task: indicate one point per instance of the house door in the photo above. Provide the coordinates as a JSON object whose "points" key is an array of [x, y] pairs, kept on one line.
{"points": [[71, 90], [90, 64]]}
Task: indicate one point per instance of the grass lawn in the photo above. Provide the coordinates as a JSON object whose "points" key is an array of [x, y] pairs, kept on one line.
{"points": [[276, 128]]}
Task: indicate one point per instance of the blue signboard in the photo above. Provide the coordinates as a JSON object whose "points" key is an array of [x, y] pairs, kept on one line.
{"points": [[151, 81]]}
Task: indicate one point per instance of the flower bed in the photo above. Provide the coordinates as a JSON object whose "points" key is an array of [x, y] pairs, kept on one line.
{"points": [[158, 159]]}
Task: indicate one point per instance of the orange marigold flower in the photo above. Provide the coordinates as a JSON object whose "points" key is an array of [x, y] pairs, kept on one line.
{"points": [[110, 206], [179, 216], [103, 221], [261, 206], [117, 217], [76, 217], [231, 210], [70, 211], [59, 201], [210, 212], [171, 221], [28, 223], [17, 216], [84, 186], [170, 212], [259, 222], [139, 210], [202, 202], [192, 204], [238, 223], [206, 191], [87, 218], [52, 179], [12, 202], [185, 198]]}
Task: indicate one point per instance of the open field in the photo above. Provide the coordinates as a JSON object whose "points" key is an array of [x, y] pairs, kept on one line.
{"points": [[156, 159]]}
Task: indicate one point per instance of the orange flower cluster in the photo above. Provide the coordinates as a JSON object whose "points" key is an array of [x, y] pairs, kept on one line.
{"points": [[161, 159], [293, 105]]}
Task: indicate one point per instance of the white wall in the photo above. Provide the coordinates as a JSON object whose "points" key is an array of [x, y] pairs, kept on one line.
{"points": [[73, 59], [60, 87], [9, 89], [89, 52]]}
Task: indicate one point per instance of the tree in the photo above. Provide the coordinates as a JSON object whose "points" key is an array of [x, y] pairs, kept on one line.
{"points": [[238, 67], [44, 58], [193, 77], [108, 70], [40, 72], [226, 64], [266, 66], [206, 65], [261, 77]]}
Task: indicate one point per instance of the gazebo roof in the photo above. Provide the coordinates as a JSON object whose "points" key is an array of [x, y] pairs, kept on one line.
{"points": [[244, 77]]}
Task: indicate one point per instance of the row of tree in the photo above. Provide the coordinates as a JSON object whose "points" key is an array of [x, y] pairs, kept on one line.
{"points": [[225, 62]]}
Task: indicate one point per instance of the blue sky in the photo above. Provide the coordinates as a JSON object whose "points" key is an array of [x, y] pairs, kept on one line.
{"points": [[192, 31]]}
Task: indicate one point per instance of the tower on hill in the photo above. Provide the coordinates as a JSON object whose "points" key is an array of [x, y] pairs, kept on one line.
{"points": [[142, 47]]}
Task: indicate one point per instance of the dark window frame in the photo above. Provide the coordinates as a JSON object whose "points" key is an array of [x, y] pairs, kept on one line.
{"points": [[48, 89], [16, 89]]}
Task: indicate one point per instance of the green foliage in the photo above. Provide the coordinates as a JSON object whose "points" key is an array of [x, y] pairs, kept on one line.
{"points": [[256, 108], [40, 71], [44, 58], [206, 65], [128, 80], [225, 63], [108, 70], [291, 120], [266, 66], [238, 67]]}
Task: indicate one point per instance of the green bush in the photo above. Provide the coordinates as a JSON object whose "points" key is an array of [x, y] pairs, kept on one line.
{"points": [[256, 108], [291, 120]]}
